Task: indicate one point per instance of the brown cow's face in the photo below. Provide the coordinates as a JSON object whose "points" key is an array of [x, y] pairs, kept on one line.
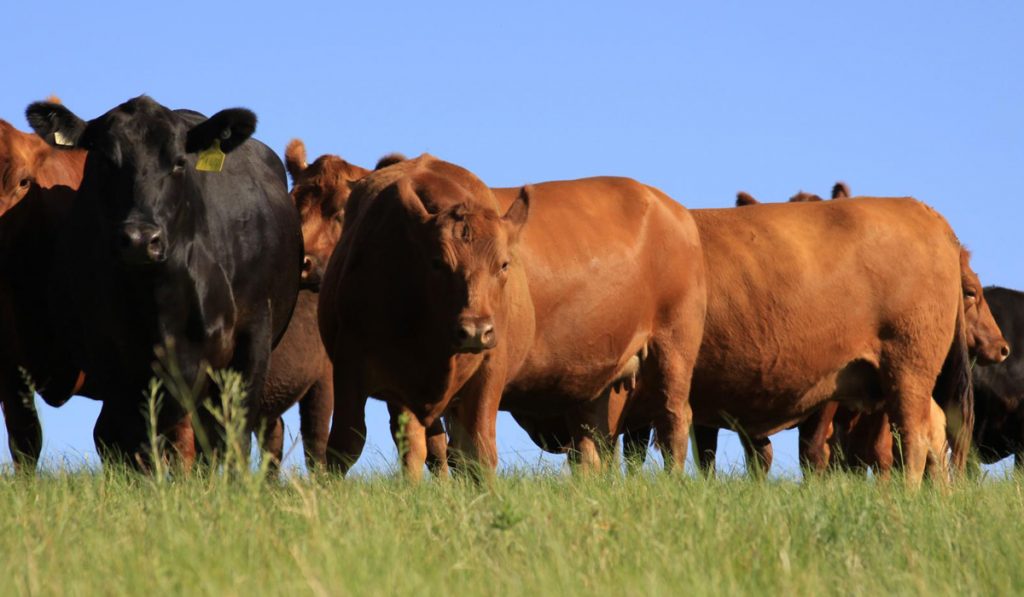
{"points": [[984, 339], [320, 193], [20, 156], [469, 253]]}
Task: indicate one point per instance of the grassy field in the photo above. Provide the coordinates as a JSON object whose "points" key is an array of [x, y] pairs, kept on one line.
{"points": [[118, 533]]}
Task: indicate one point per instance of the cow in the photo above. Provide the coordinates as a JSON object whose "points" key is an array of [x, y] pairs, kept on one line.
{"points": [[300, 370], [790, 327], [37, 185], [182, 246], [807, 328], [999, 388], [442, 298], [862, 438]]}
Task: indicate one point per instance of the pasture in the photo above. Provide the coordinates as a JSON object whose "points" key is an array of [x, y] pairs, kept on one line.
{"points": [[528, 533]]}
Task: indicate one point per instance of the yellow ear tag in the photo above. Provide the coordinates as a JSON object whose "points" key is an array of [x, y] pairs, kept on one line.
{"points": [[211, 159], [60, 139]]}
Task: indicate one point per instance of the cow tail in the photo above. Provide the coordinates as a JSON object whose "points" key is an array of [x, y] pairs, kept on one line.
{"points": [[954, 392]]}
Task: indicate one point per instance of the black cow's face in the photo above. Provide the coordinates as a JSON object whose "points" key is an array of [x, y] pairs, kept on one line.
{"points": [[142, 168]]}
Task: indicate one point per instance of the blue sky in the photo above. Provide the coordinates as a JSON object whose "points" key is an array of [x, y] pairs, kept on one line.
{"points": [[701, 100]]}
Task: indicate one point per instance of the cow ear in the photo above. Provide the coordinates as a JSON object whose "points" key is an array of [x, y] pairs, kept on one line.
{"points": [[516, 215], [389, 160], [295, 158], [232, 127], [57, 125], [840, 191], [410, 201], [743, 198]]}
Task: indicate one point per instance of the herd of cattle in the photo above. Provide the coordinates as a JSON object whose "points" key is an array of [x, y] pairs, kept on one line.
{"points": [[588, 309]]}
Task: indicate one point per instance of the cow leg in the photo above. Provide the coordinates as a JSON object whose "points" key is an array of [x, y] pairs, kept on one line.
{"points": [[634, 447], [271, 438], [669, 387], [815, 432], [348, 425], [24, 433], [938, 462], [705, 441], [112, 435], [1016, 444], [881, 455], [181, 438], [411, 440], [252, 360], [474, 436], [910, 412], [437, 450], [592, 437], [315, 421], [673, 431], [864, 446], [758, 451]]}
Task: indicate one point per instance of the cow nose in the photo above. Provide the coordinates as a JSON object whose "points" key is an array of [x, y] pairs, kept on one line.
{"points": [[142, 243], [475, 335], [1004, 351], [311, 274]]}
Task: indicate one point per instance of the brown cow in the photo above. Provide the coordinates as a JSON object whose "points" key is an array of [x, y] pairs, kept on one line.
{"points": [[300, 370], [862, 437], [432, 294], [807, 328], [37, 184]]}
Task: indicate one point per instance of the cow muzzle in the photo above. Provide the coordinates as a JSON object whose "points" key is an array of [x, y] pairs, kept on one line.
{"points": [[312, 274], [141, 243], [475, 334], [993, 353]]}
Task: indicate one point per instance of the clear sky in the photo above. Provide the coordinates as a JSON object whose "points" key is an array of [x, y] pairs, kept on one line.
{"points": [[699, 99]]}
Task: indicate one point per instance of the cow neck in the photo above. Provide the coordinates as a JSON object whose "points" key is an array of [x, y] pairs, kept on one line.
{"points": [[27, 219]]}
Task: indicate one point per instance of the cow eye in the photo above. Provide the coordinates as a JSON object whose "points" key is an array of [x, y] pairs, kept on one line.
{"points": [[24, 182], [179, 166], [504, 267]]}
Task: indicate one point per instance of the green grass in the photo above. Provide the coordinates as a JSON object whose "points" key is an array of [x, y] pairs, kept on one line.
{"points": [[117, 533]]}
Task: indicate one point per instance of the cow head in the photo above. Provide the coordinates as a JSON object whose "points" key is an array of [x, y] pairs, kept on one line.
{"points": [[320, 192], [21, 155], [803, 197], [984, 339], [141, 170], [839, 191], [744, 198], [466, 251]]}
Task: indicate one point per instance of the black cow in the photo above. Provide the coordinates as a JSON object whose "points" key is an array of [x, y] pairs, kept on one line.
{"points": [[166, 251], [999, 389]]}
